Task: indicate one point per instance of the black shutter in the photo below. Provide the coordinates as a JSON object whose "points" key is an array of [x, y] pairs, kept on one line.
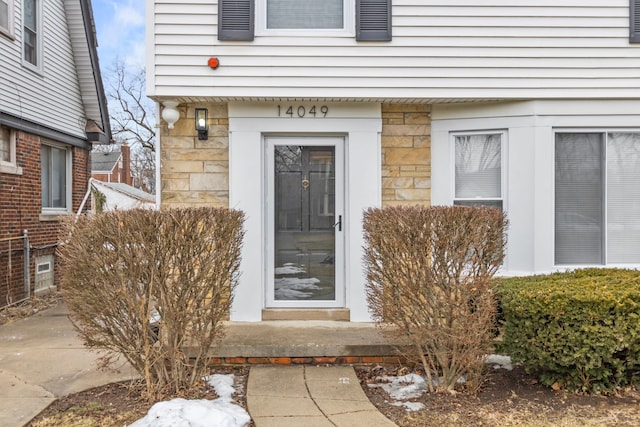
{"points": [[373, 20], [235, 19], [634, 21]]}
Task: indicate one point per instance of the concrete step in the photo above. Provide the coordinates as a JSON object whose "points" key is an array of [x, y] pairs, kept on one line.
{"points": [[306, 342]]}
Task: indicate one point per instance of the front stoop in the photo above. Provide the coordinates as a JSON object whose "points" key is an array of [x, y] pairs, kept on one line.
{"points": [[306, 342]]}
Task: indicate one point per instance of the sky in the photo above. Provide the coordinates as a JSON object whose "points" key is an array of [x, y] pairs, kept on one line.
{"points": [[120, 31]]}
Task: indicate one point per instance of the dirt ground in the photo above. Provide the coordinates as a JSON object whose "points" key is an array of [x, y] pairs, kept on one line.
{"points": [[120, 404], [507, 399]]}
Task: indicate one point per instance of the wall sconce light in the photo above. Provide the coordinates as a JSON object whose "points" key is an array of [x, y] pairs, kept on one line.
{"points": [[201, 123], [170, 113]]}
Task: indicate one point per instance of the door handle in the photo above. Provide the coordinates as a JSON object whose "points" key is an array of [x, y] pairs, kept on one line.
{"points": [[339, 223]]}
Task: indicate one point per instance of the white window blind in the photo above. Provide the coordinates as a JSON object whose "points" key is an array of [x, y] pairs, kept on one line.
{"points": [[578, 198], [623, 197], [305, 14], [478, 169], [597, 198]]}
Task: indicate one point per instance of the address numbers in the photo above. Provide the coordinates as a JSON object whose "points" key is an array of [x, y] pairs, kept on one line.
{"points": [[301, 111]]}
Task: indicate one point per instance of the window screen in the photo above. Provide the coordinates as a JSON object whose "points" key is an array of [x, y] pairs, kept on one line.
{"points": [[305, 14]]}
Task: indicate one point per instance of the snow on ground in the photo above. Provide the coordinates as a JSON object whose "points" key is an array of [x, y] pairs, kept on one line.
{"points": [[221, 412], [403, 388], [499, 362]]}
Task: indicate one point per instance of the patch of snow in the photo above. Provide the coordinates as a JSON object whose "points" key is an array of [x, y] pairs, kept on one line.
{"points": [[410, 406], [222, 384], [403, 387], [221, 412], [499, 362]]}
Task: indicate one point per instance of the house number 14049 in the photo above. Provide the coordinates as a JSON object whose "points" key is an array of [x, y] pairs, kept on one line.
{"points": [[302, 111]]}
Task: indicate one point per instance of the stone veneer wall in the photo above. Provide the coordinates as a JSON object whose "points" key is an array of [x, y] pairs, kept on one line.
{"points": [[406, 154], [196, 173]]}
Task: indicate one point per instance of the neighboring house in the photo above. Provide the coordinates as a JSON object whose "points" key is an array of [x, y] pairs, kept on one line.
{"points": [[318, 110], [119, 196], [52, 109], [114, 166]]}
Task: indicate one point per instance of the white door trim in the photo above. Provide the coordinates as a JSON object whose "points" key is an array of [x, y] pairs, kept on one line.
{"points": [[339, 143], [361, 124]]}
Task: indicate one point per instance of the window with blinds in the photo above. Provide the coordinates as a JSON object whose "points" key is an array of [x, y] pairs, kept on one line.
{"points": [[478, 169], [597, 198], [305, 14]]}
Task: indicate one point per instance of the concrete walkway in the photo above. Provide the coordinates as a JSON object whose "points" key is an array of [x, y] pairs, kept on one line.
{"points": [[309, 396], [41, 359]]}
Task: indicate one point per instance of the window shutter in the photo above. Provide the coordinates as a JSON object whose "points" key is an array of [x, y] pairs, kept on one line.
{"points": [[373, 20], [634, 21], [235, 19]]}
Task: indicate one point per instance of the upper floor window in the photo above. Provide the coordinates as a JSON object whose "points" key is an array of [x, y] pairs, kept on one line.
{"points": [[372, 18], [55, 165], [304, 14], [6, 17], [478, 177], [597, 197], [634, 21], [31, 32]]}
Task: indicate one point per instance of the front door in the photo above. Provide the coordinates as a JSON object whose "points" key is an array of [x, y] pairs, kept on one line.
{"points": [[305, 222]]}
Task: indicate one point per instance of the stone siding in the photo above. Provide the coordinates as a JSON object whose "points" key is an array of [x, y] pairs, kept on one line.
{"points": [[196, 173], [406, 154]]}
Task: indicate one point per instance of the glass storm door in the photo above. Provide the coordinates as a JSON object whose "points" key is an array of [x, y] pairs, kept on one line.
{"points": [[305, 222]]}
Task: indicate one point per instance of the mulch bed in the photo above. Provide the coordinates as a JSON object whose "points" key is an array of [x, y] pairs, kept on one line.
{"points": [[507, 398]]}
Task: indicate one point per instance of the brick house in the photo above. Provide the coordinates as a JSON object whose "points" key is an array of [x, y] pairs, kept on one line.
{"points": [[304, 113], [52, 109], [113, 166]]}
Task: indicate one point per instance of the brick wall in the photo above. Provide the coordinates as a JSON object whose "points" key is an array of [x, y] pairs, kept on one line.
{"points": [[21, 206], [194, 172], [406, 154]]}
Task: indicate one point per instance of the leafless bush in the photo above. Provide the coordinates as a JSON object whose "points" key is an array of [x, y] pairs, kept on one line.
{"points": [[429, 272], [153, 287]]}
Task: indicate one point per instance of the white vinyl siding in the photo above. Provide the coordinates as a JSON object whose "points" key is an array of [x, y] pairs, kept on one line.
{"points": [[441, 50], [50, 97], [597, 188]]}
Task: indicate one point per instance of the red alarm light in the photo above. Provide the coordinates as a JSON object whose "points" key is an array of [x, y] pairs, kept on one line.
{"points": [[213, 63]]}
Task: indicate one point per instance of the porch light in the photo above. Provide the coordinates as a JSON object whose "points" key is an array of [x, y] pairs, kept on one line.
{"points": [[201, 123], [170, 113]]}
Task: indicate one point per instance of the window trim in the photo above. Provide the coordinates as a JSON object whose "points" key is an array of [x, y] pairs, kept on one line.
{"points": [[11, 167], [68, 181], [504, 134], [605, 220], [348, 29], [10, 20], [38, 67]]}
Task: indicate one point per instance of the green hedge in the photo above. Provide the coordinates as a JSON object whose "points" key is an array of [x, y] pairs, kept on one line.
{"points": [[579, 330]]}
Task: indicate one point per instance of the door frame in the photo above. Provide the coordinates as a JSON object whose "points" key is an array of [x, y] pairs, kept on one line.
{"points": [[338, 142]]}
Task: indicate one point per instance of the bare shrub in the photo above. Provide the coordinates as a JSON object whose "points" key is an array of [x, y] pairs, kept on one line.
{"points": [[429, 273], [153, 287]]}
